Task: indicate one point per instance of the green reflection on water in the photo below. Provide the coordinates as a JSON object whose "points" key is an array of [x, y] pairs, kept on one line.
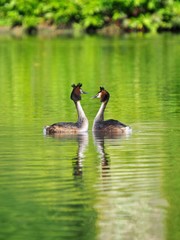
{"points": [[84, 187]]}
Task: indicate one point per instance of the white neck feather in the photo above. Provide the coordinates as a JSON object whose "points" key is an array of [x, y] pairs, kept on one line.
{"points": [[100, 113], [80, 111], [81, 117]]}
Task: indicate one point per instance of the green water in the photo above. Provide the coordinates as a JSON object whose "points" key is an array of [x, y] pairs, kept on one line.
{"points": [[88, 187]]}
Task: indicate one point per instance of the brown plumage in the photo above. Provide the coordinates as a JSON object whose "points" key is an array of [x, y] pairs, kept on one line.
{"points": [[69, 127], [111, 125]]}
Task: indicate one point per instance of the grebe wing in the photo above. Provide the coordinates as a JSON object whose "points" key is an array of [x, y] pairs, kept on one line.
{"points": [[110, 125], [62, 127], [114, 123], [65, 124]]}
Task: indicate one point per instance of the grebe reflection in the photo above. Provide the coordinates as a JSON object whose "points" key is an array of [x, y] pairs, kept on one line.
{"points": [[99, 142], [81, 140]]}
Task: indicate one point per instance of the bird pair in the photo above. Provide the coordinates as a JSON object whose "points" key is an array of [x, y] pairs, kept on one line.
{"points": [[99, 125]]}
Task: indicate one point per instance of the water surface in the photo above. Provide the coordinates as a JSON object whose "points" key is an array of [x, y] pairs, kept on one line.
{"points": [[89, 186]]}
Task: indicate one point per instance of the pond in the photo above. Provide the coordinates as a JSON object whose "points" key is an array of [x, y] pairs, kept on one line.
{"points": [[90, 187]]}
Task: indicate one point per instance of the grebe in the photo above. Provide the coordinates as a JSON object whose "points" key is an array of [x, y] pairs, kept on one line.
{"points": [[69, 127], [111, 125]]}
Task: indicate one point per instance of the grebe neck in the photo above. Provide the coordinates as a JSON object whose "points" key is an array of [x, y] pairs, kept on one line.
{"points": [[80, 111], [100, 113]]}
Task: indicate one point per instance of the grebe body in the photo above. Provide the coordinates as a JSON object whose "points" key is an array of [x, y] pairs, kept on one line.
{"points": [[69, 127], [111, 125]]}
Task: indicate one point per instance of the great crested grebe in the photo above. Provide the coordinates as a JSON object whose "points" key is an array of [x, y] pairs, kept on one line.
{"points": [[111, 125], [69, 127]]}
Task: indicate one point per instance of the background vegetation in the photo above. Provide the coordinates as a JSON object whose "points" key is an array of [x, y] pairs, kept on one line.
{"points": [[91, 15]]}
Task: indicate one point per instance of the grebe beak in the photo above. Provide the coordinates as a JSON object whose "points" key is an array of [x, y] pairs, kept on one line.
{"points": [[96, 96], [83, 92]]}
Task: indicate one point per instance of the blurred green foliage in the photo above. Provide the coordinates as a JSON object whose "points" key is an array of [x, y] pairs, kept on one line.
{"points": [[90, 15]]}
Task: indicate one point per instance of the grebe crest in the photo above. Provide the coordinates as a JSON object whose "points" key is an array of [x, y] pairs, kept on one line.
{"points": [[76, 92], [69, 127], [111, 125]]}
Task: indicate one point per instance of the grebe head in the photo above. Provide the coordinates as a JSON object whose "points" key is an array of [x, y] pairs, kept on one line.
{"points": [[76, 92], [103, 95]]}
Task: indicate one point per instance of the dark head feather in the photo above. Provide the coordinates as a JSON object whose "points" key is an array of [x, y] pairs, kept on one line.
{"points": [[104, 95], [76, 92]]}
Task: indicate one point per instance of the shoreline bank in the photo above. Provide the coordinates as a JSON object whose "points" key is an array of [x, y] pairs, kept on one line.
{"points": [[53, 31]]}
